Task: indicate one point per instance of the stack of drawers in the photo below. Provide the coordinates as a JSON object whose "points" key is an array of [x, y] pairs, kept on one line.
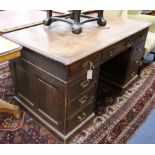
{"points": [[81, 91], [137, 53]]}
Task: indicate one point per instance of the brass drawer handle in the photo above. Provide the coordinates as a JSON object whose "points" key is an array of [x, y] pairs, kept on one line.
{"points": [[88, 64], [111, 53], [139, 49], [133, 74], [83, 99], [81, 117], [84, 84], [136, 61], [128, 44]]}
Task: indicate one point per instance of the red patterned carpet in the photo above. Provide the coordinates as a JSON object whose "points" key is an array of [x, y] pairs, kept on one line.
{"points": [[118, 115]]}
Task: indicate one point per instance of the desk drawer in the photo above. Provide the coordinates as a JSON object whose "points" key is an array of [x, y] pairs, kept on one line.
{"points": [[138, 53], [80, 117], [117, 48], [140, 36], [80, 84], [83, 65], [139, 49], [81, 101]]}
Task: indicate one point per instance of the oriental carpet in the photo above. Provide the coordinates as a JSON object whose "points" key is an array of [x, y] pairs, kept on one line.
{"points": [[118, 114]]}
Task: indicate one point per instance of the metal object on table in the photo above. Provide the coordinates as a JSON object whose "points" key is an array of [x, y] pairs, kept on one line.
{"points": [[75, 15]]}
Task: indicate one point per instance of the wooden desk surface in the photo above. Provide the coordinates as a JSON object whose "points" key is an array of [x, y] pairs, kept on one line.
{"points": [[59, 43], [13, 20], [7, 46]]}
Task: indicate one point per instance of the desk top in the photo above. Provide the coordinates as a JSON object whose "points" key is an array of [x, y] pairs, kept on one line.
{"points": [[13, 20], [7, 46], [59, 43]]}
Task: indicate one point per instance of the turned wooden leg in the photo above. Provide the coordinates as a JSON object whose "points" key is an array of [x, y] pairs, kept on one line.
{"points": [[6, 107]]}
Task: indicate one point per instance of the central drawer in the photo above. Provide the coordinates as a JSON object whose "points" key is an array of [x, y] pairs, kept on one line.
{"points": [[117, 48]]}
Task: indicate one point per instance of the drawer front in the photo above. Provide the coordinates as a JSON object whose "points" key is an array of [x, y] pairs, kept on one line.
{"points": [[81, 101], [80, 84], [139, 49], [80, 117], [136, 60], [83, 65], [133, 71], [140, 36], [117, 48]]}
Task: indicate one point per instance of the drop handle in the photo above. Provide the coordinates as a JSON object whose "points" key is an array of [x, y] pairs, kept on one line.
{"points": [[136, 61], [83, 99], [88, 64], [84, 84], [81, 117], [133, 74], [128, 44]]}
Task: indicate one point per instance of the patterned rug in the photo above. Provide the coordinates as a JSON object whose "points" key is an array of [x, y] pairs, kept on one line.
{"points": [[118, 114]]}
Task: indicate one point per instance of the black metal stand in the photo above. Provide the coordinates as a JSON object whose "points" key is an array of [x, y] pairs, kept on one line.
{"points": [[75, 15]]}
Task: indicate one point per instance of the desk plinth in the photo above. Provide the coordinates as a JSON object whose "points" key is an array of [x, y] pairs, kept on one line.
{"points": [[50, 77]]}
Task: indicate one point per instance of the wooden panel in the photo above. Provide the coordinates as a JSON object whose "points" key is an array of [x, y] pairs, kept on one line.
{"points": [[46, 99], [26, 85], [49, 100]]}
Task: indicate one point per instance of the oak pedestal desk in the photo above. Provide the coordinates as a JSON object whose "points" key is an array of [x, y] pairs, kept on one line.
{"points": [[50, 77]]}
